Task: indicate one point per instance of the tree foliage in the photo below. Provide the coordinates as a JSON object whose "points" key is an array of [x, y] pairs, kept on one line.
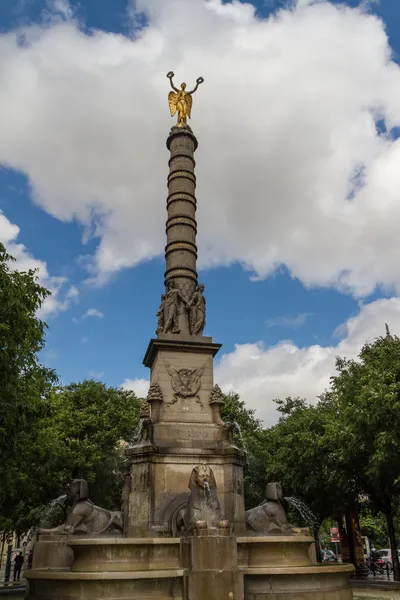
{"points": [[304, 457], [24, 382], [83, 436], [253, 441], [365, 397]]}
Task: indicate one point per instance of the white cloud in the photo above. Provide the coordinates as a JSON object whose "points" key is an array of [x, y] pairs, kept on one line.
{"points": [[139, 386], [288, 321], [291, 168], [92, 312], [63, 293], [261, 374]]}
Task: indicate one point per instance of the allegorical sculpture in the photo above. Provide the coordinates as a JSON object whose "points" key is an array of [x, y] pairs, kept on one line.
{"points": [[170, 307], [173, 304], [197, 311], [185, 382], [161, 316], [84, 517], [181, 101], [269, 518], [203, 503]]}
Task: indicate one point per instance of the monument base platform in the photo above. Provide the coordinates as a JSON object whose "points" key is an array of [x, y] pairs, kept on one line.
{"points": [[249, 568]]}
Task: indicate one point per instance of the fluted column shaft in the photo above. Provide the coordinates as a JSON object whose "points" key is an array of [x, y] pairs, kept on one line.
{"points": [[181, 227]]}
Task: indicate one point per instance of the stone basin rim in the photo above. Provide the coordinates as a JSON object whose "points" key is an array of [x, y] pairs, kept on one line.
{"points": [[273, 539], [104, 575], [133, 541], [123, 541], [309, 570]]}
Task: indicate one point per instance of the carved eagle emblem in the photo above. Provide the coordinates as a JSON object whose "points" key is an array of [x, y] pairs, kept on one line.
{"points": [[185, 382]]}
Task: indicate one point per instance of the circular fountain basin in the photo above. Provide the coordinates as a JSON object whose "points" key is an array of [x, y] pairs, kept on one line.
{"points": [[281, 567], [125, 554]]}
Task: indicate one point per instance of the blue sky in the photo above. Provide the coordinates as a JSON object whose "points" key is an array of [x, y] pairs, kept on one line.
{"points": [[289, 315]]}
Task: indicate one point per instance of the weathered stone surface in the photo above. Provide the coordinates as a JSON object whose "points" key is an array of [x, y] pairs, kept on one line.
{"points": [[85, 517], [167, 474], [203, 504], [51, 552], [270, 517]]}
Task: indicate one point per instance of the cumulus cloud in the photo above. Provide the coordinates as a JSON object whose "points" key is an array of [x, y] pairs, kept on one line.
{"points": [[260, 374], [139, 386], [63, 294], [296, 163]]}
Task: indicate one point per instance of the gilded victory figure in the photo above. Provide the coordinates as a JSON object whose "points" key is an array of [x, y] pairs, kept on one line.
{"points": [[181, 101]]}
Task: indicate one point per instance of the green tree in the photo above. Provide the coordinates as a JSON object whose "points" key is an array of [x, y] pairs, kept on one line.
{"points": [[24, 382], [253, 442], [83, 436], [373, 526], [304, 457], [365, 394]]}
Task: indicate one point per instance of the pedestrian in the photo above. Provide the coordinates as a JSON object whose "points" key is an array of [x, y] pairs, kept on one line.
{"points": [[18, 562]]}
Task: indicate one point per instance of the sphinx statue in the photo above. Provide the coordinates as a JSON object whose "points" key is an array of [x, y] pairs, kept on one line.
{"points": [[84, 517], [269, 518], [203, 502]]}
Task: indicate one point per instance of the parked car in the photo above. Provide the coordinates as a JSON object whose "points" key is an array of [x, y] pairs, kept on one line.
{"points": [[386, 555], [328, 555]]}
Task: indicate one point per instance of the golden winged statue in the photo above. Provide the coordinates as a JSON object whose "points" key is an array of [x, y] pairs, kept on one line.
{"points": [[181, 101]]}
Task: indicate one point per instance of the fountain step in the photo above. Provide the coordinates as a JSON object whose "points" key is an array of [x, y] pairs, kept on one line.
{"points": [[143, 585], [322, 582]]}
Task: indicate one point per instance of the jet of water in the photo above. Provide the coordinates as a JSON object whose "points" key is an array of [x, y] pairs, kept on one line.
{"points": [[304, 510], [52, 512], [239, 432], [58, 501], [207, 491]]}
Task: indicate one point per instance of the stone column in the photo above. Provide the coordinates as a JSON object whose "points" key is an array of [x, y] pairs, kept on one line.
{"points": [[181, 227]]}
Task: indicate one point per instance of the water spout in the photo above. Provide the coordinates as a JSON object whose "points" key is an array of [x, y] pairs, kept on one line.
{"points": [[310, 519], [239, 432], [207, 491], [53, 512]]}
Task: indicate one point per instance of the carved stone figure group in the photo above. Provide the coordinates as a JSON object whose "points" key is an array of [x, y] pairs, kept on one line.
{"points": [[174, 304]]}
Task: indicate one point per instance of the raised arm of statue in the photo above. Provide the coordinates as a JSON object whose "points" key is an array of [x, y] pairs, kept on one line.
{"points": [[199, 80], [170, 75]]}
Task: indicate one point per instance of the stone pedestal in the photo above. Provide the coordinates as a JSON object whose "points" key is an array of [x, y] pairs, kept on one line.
{"points": [[159, 487], [167, 357], [211, 566], [183, 435], [52, 552]]}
